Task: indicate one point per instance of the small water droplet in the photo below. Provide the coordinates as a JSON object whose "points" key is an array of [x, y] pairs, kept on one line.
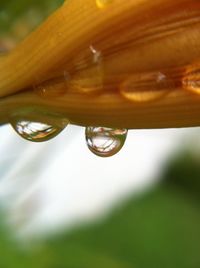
{"points": [[35, 131], [55, 87], [105, 142], [103, 3], [146, 87], [191, 81]]}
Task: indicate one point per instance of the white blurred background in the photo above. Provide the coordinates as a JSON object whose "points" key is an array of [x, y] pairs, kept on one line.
{"points": [[58, 183]]}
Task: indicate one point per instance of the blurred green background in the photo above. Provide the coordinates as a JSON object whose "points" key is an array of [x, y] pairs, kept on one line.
{"points": [[159, 228], [19, 17]]}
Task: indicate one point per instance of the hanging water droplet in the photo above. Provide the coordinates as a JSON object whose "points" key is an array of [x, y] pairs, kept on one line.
{"points": [[103, 3], [146, 87], [191, 81], [35, 131], [104, 141]]}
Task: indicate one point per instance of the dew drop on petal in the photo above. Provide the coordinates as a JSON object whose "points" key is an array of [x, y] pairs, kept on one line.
{"points": [[53, 88], [145, 87], [35, 131], [191, 81], [105, 142], [89, 75]]}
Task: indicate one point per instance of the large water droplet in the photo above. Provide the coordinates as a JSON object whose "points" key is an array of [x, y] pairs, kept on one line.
{"points": [[145, 87], [104, 141], [103, 3], [35, 131]]}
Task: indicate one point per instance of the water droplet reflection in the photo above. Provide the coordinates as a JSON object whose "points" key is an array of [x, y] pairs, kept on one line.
{"points": [[35, 131], [105, 142]]}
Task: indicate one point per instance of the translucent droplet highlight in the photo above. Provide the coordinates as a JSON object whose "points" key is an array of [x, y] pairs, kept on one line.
{"points": [[35, 131], [191, 82], [105, 142], [103, 3], [145, 87], [53, 88], [89, 73]]}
